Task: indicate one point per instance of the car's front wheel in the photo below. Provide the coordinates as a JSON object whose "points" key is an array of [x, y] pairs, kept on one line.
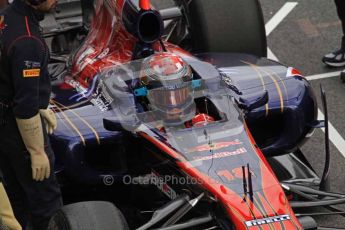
{"points": [[88, 215]]}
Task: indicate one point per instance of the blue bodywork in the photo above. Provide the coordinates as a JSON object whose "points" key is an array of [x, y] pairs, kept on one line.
{"points": [[280, 126], [85, 151]]}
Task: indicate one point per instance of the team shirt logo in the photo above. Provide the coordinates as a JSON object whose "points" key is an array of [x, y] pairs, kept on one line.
{"points": [[32, 69], [32, 64], [27, 73]]}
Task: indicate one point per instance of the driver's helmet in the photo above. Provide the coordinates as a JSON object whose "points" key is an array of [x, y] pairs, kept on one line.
{"points": [[168, 79]]}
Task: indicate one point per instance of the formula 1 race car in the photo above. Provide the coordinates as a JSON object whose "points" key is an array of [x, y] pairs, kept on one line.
{"points": [[176, 117]]}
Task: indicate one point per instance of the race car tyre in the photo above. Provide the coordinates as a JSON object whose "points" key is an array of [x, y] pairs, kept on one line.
{"points": [[88, 215], [226, 26]]}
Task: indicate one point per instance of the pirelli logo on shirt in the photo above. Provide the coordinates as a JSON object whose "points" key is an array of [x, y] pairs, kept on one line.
{"points": [[31, 73]]}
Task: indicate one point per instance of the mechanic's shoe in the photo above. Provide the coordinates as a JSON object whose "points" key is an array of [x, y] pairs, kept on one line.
{"points": [[335, 59], [342, 76]]}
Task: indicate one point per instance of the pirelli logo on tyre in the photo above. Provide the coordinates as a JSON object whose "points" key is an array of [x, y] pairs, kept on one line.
{"points": [[31, 73]]}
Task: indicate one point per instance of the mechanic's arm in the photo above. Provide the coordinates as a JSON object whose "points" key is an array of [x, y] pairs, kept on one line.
{"points": [[27, 57], [6, 213]]}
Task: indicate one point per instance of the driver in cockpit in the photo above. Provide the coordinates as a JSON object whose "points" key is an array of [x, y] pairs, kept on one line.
{"points": [[168, 79]]}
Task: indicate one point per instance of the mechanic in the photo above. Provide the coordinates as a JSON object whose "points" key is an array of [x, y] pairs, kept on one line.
{"points": [[7, 219], [337, 58], [168, 79], [26, 157]]}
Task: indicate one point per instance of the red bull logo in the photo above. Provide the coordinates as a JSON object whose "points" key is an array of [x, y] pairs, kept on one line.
{"points": [[214, 146], [221, 155]]}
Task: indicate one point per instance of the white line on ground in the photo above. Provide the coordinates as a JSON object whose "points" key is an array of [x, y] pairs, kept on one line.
{"points": [[323, 75], [270, 55], [275, 21], [334, 136], [279, 16]]}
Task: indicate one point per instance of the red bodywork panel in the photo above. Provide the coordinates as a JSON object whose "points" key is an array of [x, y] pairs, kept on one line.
{"points": [[108, 43], [269, 202], [144, 4]]}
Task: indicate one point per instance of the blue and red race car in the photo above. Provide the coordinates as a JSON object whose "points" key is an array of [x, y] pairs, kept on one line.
{"points": [[177, 116]]}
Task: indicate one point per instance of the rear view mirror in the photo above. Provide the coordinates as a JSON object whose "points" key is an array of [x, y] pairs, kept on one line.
{"points": [[253, 100]]}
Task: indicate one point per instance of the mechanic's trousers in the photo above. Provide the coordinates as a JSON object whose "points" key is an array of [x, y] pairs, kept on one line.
{"points": [[30, 199], [341, 13]]}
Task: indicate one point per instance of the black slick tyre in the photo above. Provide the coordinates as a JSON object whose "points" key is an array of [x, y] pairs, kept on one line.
{"points": [[226, 26], [91, 215]]}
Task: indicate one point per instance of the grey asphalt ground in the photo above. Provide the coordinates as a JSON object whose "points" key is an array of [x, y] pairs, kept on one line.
{"points": [[311, 30]]}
